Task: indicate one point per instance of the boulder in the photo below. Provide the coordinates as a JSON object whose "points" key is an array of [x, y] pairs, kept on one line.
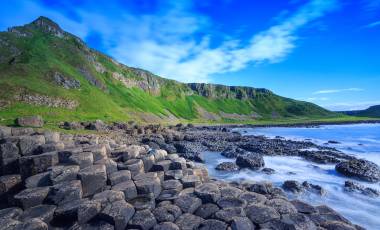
{"points": [[31, 197], [10, 184], [65, 191], [172, 185], [128, 188], [108, 196], [361, 169], [162, 165], [167, 213], [30, 121], [93, 179], [166, 226], [293, 186], [143, 220], [88, 209], [148, 185], [190, 181], [260, 214], [118, 213], [43, 212], [119, 176], [141, 202], [187, 203], [212, 224], [62, 173], [251, 160], [9, 155], [242, 223], [231, 202], [67, 213], [227, 166], [38, 180], [29, 144], [207, 211], [188, 221], [31, 165], [228, 214], [135, 166], [352, 186]]}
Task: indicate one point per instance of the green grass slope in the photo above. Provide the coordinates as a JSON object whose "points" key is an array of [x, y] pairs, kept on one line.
{"points": [[31, 56], [372, 112]]}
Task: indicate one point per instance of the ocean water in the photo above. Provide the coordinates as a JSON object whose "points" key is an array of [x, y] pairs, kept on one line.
{"points": [[361, 140]]}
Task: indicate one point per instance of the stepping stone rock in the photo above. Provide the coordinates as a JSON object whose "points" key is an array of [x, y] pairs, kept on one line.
{"points": [[38, 180], [111, 165], [188, 203], [291, 221], [67, 213], [172, 185], [253, 198], [62, 173], [208, 192], [31, 197], [148, 185], [93, 179], [135, 166], [242, 223], [166, 226], [168, 195], [282, 206], [128, 188], [303, 207], [87, 210], [228, 214], [188, 221], [143, 220], [212, 224], [167, 213], [99, 152], [10, 213], [65, 191], [29, 144], [31, 165], [43, 212], [231, 202], [119, 176], [260, 214], [207, 210], [252, 161], [9, 155], [142, 202], [108, 196], [230, 191], [118, 214], [190, 181]]}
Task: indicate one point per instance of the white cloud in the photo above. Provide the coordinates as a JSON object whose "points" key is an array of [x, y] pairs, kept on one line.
{"points": [[373, 24], [329, 91], [168, 41], [313, 99]]}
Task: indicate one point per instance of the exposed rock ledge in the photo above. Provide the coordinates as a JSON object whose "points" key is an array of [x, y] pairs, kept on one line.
{"points": [[55, 102]]}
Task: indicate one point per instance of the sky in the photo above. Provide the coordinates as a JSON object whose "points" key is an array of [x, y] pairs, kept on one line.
{"points": [[323, 51]]}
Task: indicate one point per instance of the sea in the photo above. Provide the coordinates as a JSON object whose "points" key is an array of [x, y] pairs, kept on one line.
{"points": [[360, 140]]}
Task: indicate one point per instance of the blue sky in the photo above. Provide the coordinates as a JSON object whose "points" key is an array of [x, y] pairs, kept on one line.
{"points": [[323, 51]]}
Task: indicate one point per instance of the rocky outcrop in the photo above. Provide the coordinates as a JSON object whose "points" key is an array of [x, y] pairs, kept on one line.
{"points": [[361, 169], [352, 186], [43, 100], [66, 82], [251, 160], [31, 121]]}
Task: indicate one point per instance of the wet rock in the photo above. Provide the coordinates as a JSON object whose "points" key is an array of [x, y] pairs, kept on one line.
{"points": [[43, 212], [119, 176], [166, 226], [282, 206], [293, 186], [67, 213], [264, 188], [361, 169], [65, 191], [118, 214], [167, 213], [208, 192], [290, 221], [10, 213], [188, 221], [253, 198], [230, 191], [128, 188], [31, 121], [61, 173], [187, 203], [231, 202], [31, 165], [212, 224], [337, 225], [29, 144], [93, 179], [31, 197], [268, 171], [242, 223], [190, 181], [227, 166], [233, 152], [314, 188], [207, 210], [352, 186], [143, 219], [228, 214], [251, 160], [88, 209], [303, 207], [260, 214]]}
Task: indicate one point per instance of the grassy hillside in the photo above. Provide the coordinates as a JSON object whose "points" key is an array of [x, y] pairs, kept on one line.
{"points": [[373, 112], [34, 56]]}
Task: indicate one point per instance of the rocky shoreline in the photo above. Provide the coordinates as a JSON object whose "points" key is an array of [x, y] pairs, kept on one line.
{"points": [[126, 176]]}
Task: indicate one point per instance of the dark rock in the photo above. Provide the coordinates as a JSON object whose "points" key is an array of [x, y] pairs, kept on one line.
{"points": [[31, 165], [38, 180], [135, 166], [207, 210], [190, 181], [167, 213], [10, 213], [290, 221], [231, 202], [93, 179], [230, 191], [32, 224], [293, 186], [268, 171], [148, 161], [242, 223], [119, 176], [31, 197], [31, 121], [172, 185], [212, 224], [208, 192], [303, 207], [253, 198], [29, 144], [264, 188], [65, 191], [43, 212], [62, 173], [228, 214], [282, 206], [143, 219], [141, 202], [188, 203], [9, 154], [168, 195], [251, 160], [227, 166], [93, 225], [111, 165], [352, 186], [88, 209], [128, 188], [10, 184], [67, 213], [166, 226], [118, 214], [188, 221], [173, 175], [260, 214], [75, 156], [163, 165], [314, 188], [149, 185], [361, 169], [337, 225], [66, 82]]}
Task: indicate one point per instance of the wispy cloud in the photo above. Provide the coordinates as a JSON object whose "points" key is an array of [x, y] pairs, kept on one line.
{"points": [[168, 41], [315, 99], [373, 24], [329, 91]]}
